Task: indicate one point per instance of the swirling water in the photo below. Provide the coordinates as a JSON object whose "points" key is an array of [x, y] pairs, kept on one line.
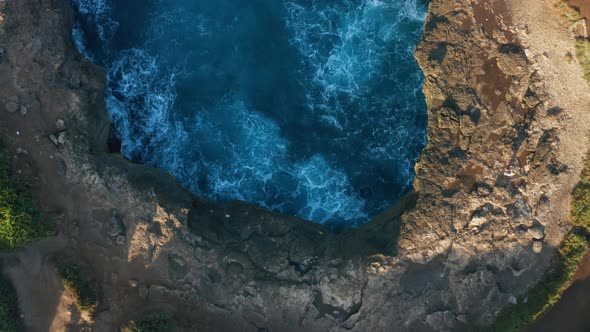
{"points": [[308, 107]]}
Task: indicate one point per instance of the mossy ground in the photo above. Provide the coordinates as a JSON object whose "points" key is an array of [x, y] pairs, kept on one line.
{"points": [[546, 292], [160, 322], [570, 13], [83, 290], [573, 16], [20, 222], [583, 54]]}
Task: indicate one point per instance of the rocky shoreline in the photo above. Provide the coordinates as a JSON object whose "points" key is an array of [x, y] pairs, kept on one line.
{"points": [[491, 198]]}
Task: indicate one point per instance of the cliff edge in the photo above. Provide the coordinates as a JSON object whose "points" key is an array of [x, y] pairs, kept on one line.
{"points": [[507, 135]]}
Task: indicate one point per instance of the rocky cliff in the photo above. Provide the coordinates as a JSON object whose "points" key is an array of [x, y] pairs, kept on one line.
{"points": [[491, 196]]}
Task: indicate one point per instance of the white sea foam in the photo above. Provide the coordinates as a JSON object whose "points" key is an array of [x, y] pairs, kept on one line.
{"points": [[357, 73]]}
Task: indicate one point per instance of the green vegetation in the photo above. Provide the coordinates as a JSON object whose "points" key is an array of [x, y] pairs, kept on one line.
{"points": [[9, 312], [571, 14], [20, 222], [155, 323], [83, 290], [548, 291], [583, 54], [581, 200]]}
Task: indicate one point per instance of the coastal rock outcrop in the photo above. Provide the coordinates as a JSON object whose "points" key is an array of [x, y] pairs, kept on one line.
{"points": [[490, 202]]}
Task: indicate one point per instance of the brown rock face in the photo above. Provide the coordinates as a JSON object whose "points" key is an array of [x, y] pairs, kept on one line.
{"points": [[490, 197]]}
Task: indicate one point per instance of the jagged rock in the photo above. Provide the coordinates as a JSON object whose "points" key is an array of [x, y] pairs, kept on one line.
{"points": [[537, 232], [117, 228], [290, 271], [441, 320], [53, 139]]}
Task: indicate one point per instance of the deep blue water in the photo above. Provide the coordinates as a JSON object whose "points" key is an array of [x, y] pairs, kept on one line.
{"points": [[309, 107]]}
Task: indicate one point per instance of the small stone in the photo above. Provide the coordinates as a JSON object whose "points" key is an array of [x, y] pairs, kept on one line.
{"points": [[53, 139], [484, 190], [60, 125], [537, 232], [23, 110], [227, 215], [11, 106], [133, 283], [61, 139], [512, 300], [477, 221], [537, 247]]}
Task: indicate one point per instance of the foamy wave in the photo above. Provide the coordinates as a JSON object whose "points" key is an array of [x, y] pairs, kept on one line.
{"points": [[99, 12], [184, 99]]}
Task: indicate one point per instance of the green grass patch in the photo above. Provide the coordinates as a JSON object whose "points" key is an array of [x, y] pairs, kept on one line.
{"points": [[548, 291], [83, 290], [160, 322], [20, 222], [583, 54], [570, 13], [10, 320]]}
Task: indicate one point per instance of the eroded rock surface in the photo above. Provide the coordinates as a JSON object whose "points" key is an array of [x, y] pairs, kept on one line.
{"points": [[490, 202]]}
